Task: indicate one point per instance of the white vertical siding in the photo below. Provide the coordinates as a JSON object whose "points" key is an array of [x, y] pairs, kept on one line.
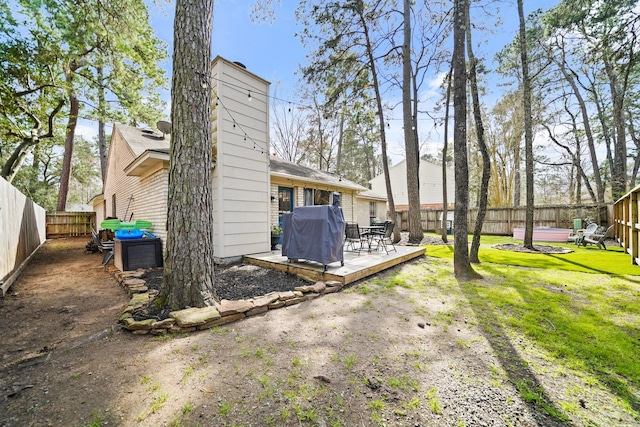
{"points": [[241, 190]]}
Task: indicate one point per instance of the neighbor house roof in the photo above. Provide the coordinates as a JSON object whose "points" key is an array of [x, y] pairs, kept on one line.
{"points": [[288, 170], [370, 194]]}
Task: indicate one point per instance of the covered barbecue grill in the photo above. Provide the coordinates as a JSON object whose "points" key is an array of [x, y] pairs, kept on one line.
{"points": [[314, 233]]}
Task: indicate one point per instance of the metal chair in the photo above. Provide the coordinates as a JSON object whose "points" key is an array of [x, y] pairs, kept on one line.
{"points": [[384, 239], [353, 236], [106, 248]]}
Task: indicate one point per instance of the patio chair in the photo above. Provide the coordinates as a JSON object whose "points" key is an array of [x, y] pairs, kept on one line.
{"points": [[353, 236], [106, 248], [598, 239], [581, 234], [384, 239]]}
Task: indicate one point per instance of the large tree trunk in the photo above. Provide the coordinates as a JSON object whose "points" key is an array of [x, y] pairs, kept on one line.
{"points": [[445, 148], [619, 169], [461, 267], [411, 145], [528, 130], [188, 272], [486, 162], [65, 176]]}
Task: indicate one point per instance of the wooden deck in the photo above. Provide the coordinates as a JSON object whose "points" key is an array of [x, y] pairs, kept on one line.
{"points": [[355, 267]]}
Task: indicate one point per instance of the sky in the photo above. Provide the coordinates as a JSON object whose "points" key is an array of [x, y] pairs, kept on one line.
{"points": [[272, 51]]}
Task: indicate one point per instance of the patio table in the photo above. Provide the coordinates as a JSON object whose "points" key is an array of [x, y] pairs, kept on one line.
{"points": [[369, 231]]}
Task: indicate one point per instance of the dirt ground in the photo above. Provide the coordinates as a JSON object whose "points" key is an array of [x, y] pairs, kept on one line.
{"points": [[366, 356]]}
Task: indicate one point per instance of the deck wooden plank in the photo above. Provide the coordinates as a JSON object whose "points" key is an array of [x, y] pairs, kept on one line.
{"points": [[356, 267]]}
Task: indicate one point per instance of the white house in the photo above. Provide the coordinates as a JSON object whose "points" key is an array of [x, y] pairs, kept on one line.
{"points": [[430, 185], [251, 190]]}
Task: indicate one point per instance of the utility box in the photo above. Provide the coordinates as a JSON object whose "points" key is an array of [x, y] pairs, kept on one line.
{"points": [[133, 254]]}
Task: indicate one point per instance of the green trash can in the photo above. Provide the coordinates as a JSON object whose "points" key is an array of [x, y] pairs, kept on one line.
{"points": [[577, 224]]}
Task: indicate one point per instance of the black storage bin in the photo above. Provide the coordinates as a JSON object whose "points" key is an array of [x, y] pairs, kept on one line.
{"points": [[138, 253]]}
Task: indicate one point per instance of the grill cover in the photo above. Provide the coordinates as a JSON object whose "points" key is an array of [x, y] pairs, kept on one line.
{"points": [[314, 233]]}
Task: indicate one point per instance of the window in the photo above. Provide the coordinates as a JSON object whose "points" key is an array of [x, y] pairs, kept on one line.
{"points": [[113, 206], [314, 197], [285, 200], [373, 211]]}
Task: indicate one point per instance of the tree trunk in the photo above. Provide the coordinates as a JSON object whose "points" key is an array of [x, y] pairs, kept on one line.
{"points": [[15, 161], [486, 162], [188, 272], [445, 148], [65, 176], [461, 267], [587, 129], [340, 142], [517, 179], [102, 138], [577, 159], [383, 138], [619, 169], [413, 187], [528, 130], [636, 160]]}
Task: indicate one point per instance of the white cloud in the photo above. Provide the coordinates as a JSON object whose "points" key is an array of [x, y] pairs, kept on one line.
{"points": [[87, 129]]}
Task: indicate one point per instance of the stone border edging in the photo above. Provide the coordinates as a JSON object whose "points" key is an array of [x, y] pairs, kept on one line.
{"points": [[194, 319]]}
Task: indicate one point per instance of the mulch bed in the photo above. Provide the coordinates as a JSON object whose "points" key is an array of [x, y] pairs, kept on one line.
{"points": [[539, 249], [240, 281]]}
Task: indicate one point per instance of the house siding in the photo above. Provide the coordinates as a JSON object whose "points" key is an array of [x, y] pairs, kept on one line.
{"points": [[153, 196], [120, 185], [142, 197], [241, 190], [430, 184], [363, 210], [348, 200]]}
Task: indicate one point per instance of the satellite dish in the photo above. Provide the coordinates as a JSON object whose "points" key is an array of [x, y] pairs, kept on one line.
{"points": [[164, 127]]}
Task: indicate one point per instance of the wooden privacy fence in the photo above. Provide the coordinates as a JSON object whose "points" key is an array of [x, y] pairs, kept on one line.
{"points": [[626, 226], [66, 224], [22, 232], [502, 221]]}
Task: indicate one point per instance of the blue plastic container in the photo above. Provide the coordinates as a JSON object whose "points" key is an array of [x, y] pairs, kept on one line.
{"points": [[129, 234]]}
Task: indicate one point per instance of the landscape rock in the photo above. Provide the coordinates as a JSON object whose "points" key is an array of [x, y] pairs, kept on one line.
{"points": [[227, 307], [192, 317], [265, 300], [317, 288], [257, 310], [221, 321], [137, 325], [139, 300], [164, 324]]}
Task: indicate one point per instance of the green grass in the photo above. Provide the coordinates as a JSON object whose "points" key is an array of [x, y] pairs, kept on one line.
{"points": [[577, 313], [588, 259]]}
